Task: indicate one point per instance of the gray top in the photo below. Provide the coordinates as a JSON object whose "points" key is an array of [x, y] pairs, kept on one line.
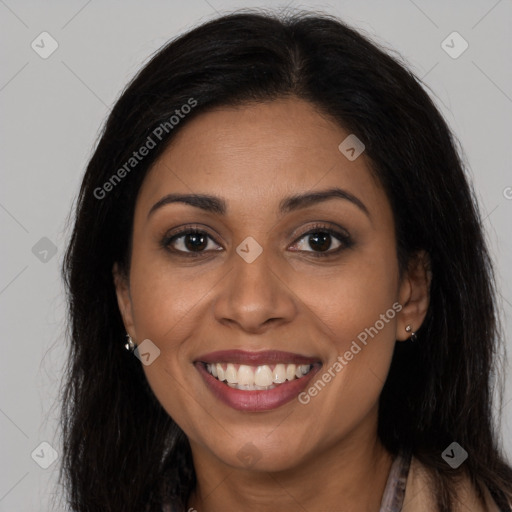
{"points": [[393, 497]]}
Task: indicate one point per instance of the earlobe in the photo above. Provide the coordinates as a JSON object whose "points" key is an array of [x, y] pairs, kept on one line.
{"points": [[414, 295], [123, 298]]}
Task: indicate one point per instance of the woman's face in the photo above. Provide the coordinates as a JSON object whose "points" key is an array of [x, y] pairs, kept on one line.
{"points": [[254, 285]]}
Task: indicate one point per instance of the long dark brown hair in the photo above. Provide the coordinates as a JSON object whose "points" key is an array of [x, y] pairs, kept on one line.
{"points": [[121, 450]]}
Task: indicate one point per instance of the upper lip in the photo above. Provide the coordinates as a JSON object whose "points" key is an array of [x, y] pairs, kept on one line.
{"points": [[256, 358]]}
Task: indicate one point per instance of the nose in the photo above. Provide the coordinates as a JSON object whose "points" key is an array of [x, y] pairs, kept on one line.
{"points": [[254, 296]]}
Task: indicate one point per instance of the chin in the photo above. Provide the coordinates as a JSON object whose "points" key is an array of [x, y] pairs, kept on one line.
{"points": [[261, 456]]}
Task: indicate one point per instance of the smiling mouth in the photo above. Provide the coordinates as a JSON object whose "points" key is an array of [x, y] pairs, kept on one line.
{"points": [[256, 381], [256, 378]]}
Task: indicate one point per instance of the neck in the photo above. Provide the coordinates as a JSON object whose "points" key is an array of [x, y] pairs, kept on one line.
{"points": [[349, 476]]}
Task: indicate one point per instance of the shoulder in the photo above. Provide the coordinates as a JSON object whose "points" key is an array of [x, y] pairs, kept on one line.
{"points": [[420, 498]]}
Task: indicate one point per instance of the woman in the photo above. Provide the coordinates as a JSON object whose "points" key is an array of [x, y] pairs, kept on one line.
{"points": [[277, 219]]}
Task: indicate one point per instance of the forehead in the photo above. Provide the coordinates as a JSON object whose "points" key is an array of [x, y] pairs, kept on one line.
{"points": [[255, 155]]}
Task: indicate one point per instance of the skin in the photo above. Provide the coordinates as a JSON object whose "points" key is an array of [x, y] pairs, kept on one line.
{"points": [[254, 156]]}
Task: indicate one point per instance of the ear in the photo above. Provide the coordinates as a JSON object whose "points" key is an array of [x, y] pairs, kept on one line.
{"points": [[124, 300], [414, 295]]}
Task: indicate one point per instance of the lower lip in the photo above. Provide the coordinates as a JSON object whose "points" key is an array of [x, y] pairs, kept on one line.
{"points": [[258, 400]]}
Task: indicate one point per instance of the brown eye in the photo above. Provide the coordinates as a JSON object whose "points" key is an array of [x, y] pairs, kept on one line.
{"points": [[189, 241], [321, 240]]}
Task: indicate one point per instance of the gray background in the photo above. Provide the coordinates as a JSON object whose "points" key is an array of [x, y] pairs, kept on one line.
{"points": [[51, 113]]}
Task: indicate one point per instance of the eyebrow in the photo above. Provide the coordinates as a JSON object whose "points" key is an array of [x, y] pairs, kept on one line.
{"points": [[217, 205]]}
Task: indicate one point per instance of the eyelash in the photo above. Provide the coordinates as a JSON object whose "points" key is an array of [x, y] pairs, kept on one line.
{"points": [[343, 238]]}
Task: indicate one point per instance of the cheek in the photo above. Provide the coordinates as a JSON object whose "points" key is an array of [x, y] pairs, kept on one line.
{"points": [[167, 308], [356, 308], [347, 388], [164, 298], [350, 298], [160, 315]]}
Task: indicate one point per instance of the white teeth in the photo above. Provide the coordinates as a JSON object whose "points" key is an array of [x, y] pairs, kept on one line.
{"points": [[263, 376], [245, 375], [231, 374], [279, 373], [256, 377], [220, 372], [290, 372]]}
